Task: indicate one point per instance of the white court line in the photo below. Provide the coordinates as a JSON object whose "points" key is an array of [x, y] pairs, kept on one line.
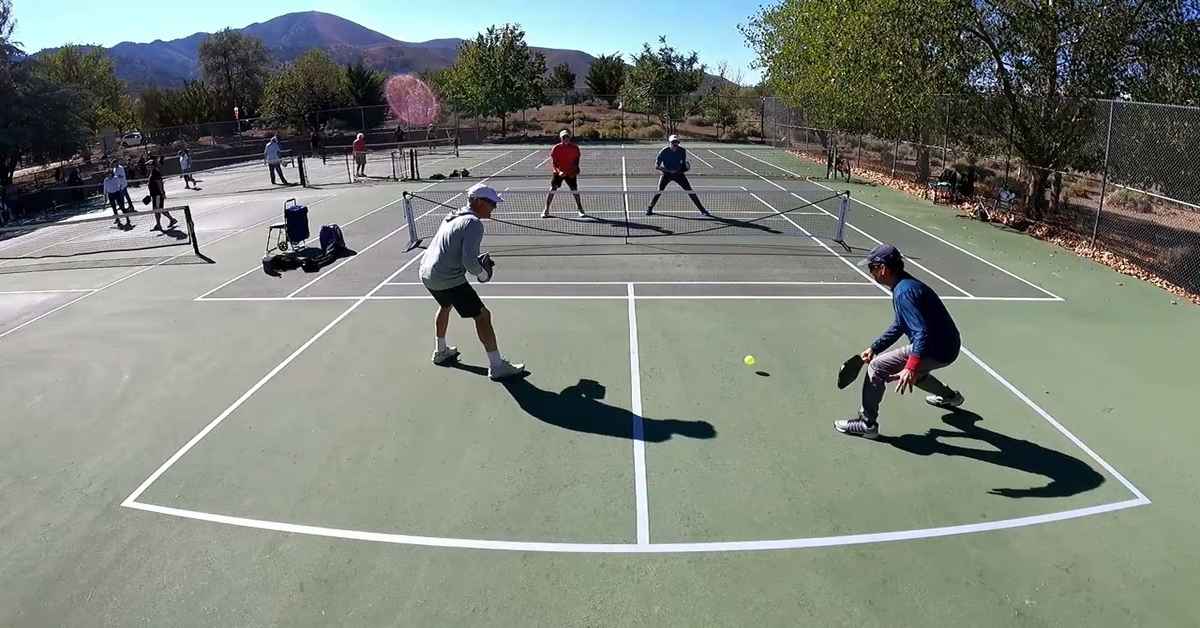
{"points": [[661, 297], [645, 547], [403, 226], [47, 291], [631, 548], [1141, 497], [258, 385], [852, 265], [932, 235], [697, 156], [659, 283], [641, 495], [848, 224]]}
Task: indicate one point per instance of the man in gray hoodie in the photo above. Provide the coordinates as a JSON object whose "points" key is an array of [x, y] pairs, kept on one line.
{"points": [[453, 252]]}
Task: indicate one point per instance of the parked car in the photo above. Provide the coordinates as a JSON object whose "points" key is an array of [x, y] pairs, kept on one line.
{"points": [[131, 139]]}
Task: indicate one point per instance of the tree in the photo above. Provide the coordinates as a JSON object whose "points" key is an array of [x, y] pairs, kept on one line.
{"points": [[163, 112], [657, 76], [1048, 60], [561, 78], [898, 86], [606, 76], [496, 75], [235, 66], [91, 74], [365, 87], [39, 120], [312, 82]]}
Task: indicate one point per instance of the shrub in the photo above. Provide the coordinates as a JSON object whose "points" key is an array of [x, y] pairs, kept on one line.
{"points": [[587, 132], [1079, 189], [698, 121], [1131, 201]]}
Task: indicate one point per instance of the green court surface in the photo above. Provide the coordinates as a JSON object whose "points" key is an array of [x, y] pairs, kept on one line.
{"points": [[199, 444]]}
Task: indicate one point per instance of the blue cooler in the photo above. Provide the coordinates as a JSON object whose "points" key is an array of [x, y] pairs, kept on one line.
{"points": [[295, 217]]}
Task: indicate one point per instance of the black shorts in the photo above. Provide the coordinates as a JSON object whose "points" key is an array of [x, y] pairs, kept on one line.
{"points": [[462, 297], [557, 180], [677, 178]]}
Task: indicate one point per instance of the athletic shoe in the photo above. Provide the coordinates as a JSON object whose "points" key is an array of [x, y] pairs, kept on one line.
{"points": [[582, 214], [505, 370], [172, 225], [156, 228], [649, 211], [948, 403], [445, 356], [857, 426], [704, 212], [545, 214]]}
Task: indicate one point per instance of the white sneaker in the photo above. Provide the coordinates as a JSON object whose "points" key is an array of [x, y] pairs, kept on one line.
{"points": [[945, 402], [505, 370], [857, 426], [546, 214], [582, 214], [447, 355]]}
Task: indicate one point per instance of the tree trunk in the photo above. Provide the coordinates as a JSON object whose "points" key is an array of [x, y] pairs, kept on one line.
{"points": [[503, 125], [1037, 193], [1056, 194], [922, 163]]}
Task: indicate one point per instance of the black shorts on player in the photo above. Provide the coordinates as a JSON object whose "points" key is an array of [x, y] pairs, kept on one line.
{"points": [[462, 298], [557, 180]]}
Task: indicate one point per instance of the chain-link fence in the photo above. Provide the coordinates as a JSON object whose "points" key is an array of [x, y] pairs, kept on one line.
{"points": [[1132, 188]]}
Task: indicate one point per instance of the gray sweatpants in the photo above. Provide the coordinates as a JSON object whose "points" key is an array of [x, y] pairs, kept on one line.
{"points": [[886, 368]]}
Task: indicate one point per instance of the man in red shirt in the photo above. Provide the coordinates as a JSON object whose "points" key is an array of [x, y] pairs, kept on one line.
{"points": [[360, 155], [564, 159]]}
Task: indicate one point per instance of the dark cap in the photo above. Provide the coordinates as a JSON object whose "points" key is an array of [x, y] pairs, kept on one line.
{"points": [[885, 254]]}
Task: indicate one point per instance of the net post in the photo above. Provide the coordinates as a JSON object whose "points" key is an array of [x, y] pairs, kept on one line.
{"points": [[302, 168], [346, 158], [839, 234], [411, 221], [191, 227]]}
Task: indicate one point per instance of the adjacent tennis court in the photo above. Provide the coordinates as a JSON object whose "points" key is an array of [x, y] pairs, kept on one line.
{"points": [[188, 437]]}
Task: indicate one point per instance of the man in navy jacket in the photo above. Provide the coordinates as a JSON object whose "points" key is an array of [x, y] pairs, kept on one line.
{"points": [[934, 339]]}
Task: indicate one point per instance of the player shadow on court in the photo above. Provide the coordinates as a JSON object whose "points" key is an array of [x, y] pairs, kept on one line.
{"points": [[578, 408], [727, 222], [1067, 475]]}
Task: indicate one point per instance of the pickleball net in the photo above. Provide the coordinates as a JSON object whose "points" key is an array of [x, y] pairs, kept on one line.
{"points": [[620, 215], [91, 241]]}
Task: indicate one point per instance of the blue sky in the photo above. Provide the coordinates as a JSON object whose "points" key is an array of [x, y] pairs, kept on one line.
{"points": [[707, 26]]}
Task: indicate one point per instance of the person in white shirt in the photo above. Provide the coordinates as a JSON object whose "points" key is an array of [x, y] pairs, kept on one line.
{"points": [[185, 167], [119, 170], [116, 198], [273, 158]]}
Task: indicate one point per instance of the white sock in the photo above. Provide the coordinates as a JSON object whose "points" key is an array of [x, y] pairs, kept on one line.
{"points": [[441, 343], [494, 359]]}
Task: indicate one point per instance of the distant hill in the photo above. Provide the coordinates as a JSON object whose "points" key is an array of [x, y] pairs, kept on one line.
{"points": [[170, 63]]}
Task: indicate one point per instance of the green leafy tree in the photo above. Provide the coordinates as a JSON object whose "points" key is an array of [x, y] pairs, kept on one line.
{"points": [[656, 78], [313, 82], [365, 87], [91, 74], [1048, 60], [561, 78], [812, 56], [606, 76], [496, 75], [40, 120], [235, 66]]}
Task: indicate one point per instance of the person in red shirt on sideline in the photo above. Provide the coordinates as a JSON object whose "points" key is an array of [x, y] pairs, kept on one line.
{"points": [[359, 148], [564, 158]]}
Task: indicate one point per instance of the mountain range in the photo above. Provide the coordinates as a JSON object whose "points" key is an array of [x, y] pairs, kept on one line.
{"points": [[170, 63]]}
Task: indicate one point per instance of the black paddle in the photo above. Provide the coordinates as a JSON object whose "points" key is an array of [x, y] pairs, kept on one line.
{"points": [[849, 371]]}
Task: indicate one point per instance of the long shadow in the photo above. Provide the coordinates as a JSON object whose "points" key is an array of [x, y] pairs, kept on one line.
{"points": [[1067, 475], [627, 224], [578, 408]]}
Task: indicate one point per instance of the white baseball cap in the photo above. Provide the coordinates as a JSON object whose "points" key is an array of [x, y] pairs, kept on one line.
{"points": [[673, 138], [480, 190], [564, 133]]}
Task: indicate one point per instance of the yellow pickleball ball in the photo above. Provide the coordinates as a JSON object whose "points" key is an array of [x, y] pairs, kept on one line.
{"points": [[749, 360]]}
